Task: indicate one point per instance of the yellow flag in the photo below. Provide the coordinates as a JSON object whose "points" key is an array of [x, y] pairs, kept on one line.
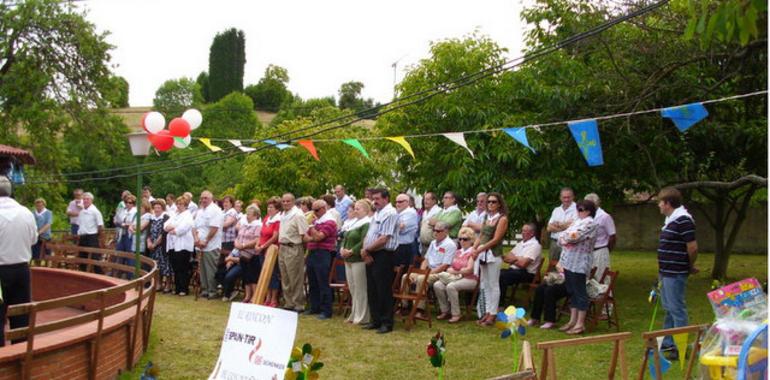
{"points": [[400, 140], [207, 142], [680, 341]]}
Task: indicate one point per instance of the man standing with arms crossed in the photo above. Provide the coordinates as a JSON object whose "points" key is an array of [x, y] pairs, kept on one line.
{"points": [[561, 218]]}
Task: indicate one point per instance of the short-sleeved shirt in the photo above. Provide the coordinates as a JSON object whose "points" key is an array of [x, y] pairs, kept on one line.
{"points": [[72, 207], [384, 223], [475, 216], [673, 259], [530, 249], [561, 215], [440, 253], [605, 228], [89, 221], [342, 206], [17, 232], [453, 217], [43, 218], [269, 228], [229, 233], [293, 226], [205, 219], [408, 217], [328, 226], [426, 230]]}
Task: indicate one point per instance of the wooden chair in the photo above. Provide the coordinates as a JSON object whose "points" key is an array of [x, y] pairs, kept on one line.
{"points": [[564, 309], [420, 294], [604, 304], [530, 288], [340, 289], [474, 296]]}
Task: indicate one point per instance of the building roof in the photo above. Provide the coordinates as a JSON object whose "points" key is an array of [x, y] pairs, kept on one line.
{"points": [[21, 154]]}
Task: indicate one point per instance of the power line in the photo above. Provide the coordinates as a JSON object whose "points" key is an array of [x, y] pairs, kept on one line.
{"points": [[383, 109]]}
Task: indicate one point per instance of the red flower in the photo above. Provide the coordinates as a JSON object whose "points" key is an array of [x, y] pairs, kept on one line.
{"points": [[431, 350]]}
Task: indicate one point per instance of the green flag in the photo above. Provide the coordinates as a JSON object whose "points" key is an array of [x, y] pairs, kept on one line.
{"points": [[356, 144]]}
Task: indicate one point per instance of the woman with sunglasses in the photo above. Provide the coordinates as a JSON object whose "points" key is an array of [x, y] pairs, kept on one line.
{"points": [[458, 277], [576, 260], [487, 250]]}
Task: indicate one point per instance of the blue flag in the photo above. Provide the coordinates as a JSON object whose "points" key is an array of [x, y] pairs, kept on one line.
{"points": [[685, 116], [520, 135], [586, 135], [275, 144], [664, 365]]}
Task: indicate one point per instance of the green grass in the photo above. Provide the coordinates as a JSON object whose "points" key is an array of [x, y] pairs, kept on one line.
{"points": [[186, 334]]}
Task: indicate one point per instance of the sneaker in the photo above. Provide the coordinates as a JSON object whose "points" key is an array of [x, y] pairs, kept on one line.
{"points": [[204, 294], [547, 325], [182, 294]]}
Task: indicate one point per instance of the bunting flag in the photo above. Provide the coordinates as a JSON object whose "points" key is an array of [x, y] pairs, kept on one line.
{"points": [[400, 140], [680, 341], [459, 139], [586, 135], [240, 146], [664, 364], [308, 144], [276, 144], [357, 144], [207, 142], [685, 116], [520, 135]]}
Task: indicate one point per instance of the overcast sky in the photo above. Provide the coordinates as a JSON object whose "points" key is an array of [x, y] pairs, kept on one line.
{"points": [[322, 43]]}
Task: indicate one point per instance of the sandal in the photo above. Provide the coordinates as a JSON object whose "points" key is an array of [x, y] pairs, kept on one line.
{"points": [[566, 327], [490, 321], [576, 331], [442, 316], [455, 319]]}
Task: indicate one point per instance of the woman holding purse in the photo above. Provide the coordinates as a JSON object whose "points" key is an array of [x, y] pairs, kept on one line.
{"points": [[459, 276]]}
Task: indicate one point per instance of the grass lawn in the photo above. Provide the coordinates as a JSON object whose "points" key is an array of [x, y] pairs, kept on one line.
{"points": [[186, 334]]}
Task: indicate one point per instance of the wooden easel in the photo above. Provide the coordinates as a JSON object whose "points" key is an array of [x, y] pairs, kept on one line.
{"points": [[271, 257], [651, 345], [548, 368]]}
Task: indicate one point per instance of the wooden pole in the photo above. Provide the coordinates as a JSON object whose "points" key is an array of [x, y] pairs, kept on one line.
{"points": [[271, 257]]}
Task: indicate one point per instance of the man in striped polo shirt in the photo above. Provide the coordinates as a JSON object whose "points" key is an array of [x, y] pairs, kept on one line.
{"points": [[677, 252]]}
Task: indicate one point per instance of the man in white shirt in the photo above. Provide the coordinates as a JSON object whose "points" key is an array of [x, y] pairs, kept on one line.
{"points": [[208, 241], [73, 209], [524, 260], [605, 237], [407, 227], [18, 232], [438, 258], [90, 228], [561, 218], [475, 219], [430, 209], [192, 206]]}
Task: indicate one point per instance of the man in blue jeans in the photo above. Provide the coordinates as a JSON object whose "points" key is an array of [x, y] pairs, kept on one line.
{"points": [[677, 252]]}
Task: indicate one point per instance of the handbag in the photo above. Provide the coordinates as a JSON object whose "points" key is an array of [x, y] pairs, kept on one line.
{"points": [[595, 288]]}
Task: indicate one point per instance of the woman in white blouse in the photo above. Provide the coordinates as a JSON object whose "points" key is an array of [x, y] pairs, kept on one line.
{"points": [[180, 244]]}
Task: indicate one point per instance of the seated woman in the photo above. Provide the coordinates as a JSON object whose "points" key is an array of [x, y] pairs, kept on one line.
{"points": [[459, 276], [233, 272], [551, 290], [576, 260]]}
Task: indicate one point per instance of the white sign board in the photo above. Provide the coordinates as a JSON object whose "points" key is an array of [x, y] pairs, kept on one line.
{"points": [[257, 343]]}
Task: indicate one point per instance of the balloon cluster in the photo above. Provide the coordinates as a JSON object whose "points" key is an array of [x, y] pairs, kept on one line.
{"points": [[178, 132], [303, 363]]}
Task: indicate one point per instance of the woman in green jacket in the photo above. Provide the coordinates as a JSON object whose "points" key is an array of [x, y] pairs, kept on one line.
{"points": [[355, 268]]}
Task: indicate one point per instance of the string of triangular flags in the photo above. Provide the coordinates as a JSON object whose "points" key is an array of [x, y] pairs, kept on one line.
{"points": [[585, 132]]}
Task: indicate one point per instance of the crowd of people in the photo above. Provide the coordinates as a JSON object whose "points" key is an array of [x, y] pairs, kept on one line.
{"points": [[372, 235]]}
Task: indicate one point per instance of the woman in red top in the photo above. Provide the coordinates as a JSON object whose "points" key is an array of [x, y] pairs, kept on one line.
{"points": [[268, 237]]}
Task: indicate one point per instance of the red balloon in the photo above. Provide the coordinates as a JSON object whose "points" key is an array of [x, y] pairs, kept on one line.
{"points": [[162, 140], [179, 127], [142, 122]]}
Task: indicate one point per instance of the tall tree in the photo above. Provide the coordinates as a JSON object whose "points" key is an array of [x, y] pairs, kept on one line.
{"points": [[227, 57], [203, 82], [271, 91], [175, 96], [54, 81], [117, 95]]}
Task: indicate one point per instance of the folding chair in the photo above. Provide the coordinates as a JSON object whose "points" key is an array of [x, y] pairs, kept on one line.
{"points": [[419, 294], [604, 304], [340, 289], [530, 287]]}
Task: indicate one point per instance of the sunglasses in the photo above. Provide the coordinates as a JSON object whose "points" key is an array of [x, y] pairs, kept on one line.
{"points": [[493, 201], [581, 210], [463, 239]]}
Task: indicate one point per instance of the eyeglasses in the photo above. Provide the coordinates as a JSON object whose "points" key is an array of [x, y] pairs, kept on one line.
{"points": [[581, 210], [401, 201], [492, 201], [437, 231], [463, 239]]}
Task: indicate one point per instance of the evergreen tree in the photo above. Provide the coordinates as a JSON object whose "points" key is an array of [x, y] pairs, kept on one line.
{"points": [[227, 56]]}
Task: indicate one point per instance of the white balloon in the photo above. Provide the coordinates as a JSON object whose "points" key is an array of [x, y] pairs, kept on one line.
{"points": [[193, 117], [154, 122], [182, 143]]}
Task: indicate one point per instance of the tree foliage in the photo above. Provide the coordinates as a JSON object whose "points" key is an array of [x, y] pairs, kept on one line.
{"points": [[271, 91], [350, 99], [227, 57], [726, 21], [54, 82], [116, 94], [175, 96], [203, 82]]}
